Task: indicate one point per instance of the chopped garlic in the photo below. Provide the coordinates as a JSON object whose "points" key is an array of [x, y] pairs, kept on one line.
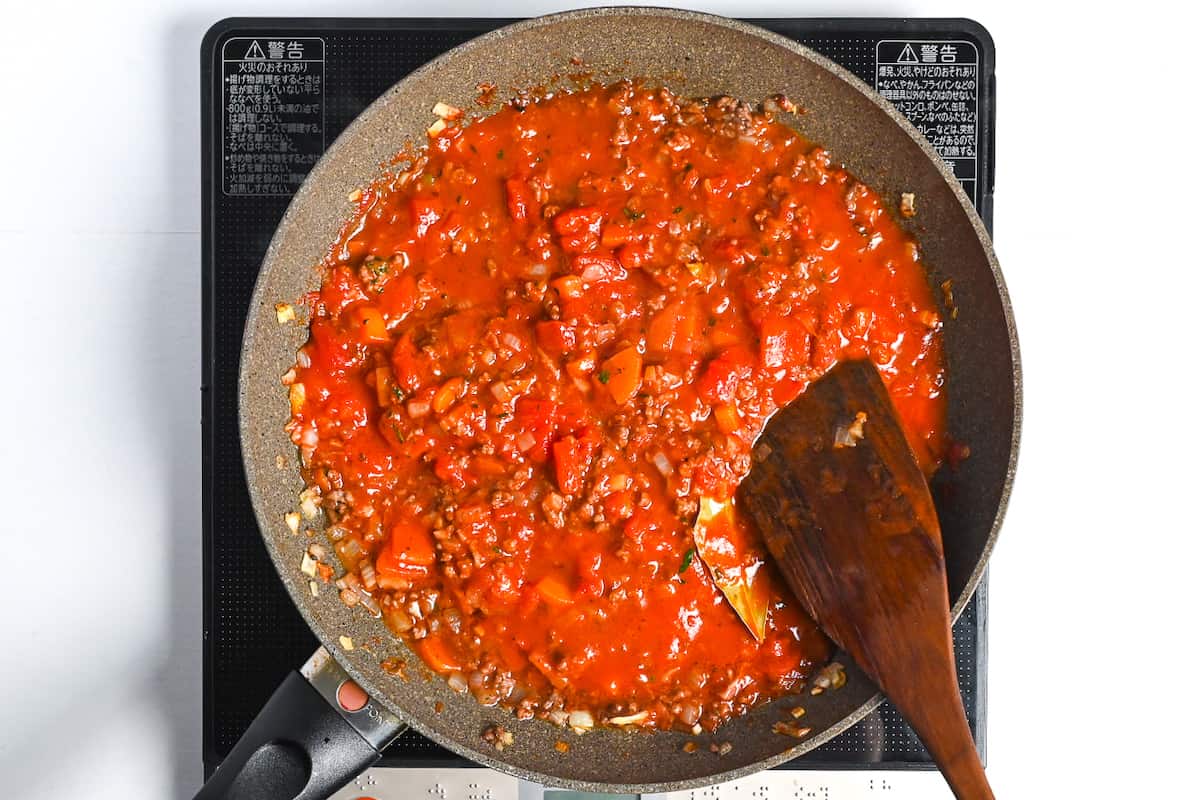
{"points": [[436, 128], [354, 196], [786, 729], [308, 502], [296, 397], [314, 588], [308, 565], [850, 435], [581, 721], [284, 313], [346, 642], [832, 676], [908, 205], [446, 111], [292, 518]]}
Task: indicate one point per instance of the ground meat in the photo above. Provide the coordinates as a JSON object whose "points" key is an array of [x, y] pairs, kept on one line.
{"points": [[537, 368]]}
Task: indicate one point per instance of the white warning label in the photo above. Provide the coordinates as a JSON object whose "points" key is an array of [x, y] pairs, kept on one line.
{"points": [[936, 85], [272, 112]]}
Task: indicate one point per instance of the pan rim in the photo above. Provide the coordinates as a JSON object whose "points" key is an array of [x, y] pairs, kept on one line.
{"points": [[245, 415]]}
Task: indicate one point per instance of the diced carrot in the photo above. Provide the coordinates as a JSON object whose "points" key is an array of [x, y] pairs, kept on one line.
{"points": [[570, 286], [728, 419], [448, 393], [367, 322], [614, 235], [555, 590], [412, 544], [437, 654], [674, 329], [623, 374], [489, 465]]}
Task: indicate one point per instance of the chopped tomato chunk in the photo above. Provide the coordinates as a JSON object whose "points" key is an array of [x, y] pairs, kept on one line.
{"points": [[579, 229], [721, 378], [521, 201]]}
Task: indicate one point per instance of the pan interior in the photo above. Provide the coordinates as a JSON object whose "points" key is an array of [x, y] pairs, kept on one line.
{"points": [[694, 55]]}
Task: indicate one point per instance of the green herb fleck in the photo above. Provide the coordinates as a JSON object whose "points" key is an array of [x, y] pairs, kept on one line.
{"points": [[687, 560], [604, 376], [630, 214], [678, 209], [398, 393], [766, 251], [500, 154]]}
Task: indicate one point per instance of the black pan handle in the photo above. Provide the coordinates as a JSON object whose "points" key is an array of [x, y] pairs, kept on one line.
{"points": [[316, 734]]}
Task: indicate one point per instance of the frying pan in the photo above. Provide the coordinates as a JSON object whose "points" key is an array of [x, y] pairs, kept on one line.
{"points": [[303, 744]]}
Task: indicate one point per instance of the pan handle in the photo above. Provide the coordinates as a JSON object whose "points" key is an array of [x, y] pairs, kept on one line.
{"points": [[318, 731]]}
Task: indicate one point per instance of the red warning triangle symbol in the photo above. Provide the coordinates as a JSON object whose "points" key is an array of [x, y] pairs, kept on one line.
{"points": [[907, 55], [254, 51]]}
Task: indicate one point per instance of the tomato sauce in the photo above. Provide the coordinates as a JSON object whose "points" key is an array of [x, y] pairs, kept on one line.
{"points": [[543, 344]]}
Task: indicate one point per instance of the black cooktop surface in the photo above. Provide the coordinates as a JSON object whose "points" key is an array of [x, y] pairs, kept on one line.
{"points": [[275, 93]]}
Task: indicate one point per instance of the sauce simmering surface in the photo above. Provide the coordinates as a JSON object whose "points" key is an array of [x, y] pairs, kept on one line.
{"points": [[546, 346]]}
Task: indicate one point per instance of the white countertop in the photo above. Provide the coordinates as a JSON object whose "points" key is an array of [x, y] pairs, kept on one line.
{"points": [[100, 333]]}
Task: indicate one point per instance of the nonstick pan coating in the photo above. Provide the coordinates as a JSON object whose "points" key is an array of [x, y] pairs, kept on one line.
{"points": [[694, 55]]}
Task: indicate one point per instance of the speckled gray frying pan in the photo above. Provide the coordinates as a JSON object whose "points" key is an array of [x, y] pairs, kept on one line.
{"points": [[695, 55]]}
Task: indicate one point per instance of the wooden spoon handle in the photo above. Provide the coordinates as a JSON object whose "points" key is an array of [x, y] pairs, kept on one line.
{"points": [[933, 707], [846, 513]]}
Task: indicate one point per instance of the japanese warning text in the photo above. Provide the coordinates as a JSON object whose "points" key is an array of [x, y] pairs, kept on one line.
{"points": [[936, 85], [273, 113]]}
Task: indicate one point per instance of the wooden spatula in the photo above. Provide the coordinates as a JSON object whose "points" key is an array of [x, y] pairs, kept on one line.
{"points": [[846, 513]]}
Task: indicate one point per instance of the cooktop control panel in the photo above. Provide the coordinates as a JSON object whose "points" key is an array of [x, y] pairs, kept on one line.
{"points": [[486, 784]]}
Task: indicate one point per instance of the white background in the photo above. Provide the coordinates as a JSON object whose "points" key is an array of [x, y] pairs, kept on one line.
{"points": [[1092, 616]]}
